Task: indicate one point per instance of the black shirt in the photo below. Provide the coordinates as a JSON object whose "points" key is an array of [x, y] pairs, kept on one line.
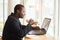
{"points": [[13, 30]]}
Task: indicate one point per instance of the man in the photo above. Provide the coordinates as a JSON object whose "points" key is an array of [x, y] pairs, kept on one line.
{"points": [[13, 30]]}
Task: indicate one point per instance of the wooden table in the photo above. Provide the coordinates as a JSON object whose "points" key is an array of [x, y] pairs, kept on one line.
{"points": [[0, 38], [38, 37]]}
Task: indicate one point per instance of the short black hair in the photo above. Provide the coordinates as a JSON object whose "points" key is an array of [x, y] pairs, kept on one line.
{"points": [[18, 7]]}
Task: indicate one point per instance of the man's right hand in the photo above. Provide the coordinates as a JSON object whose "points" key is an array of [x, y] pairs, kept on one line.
{"points": [[32, 22]]}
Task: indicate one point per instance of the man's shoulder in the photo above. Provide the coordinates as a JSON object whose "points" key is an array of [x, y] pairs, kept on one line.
{"points": [[12, 18]]}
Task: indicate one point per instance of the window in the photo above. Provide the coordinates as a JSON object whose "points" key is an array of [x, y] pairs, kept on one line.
{"points": [[1, 17], [48, 11], [3, 13]]}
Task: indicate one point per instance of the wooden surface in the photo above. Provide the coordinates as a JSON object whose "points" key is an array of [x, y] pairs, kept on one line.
{"points": [[0, 38], [38, 37]]}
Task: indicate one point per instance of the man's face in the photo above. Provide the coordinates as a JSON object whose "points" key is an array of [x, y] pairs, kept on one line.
{"points": [[21, 13]]}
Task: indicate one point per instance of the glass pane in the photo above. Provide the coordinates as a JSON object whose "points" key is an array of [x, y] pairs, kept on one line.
{"points": [[1, 17], [3, 14], [48, 12]]}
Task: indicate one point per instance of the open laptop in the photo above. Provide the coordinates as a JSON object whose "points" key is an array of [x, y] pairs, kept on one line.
{"points": [[43, 29]]}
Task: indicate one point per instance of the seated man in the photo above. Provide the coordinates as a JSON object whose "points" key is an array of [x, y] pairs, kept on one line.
{"points": [[13, 29]]}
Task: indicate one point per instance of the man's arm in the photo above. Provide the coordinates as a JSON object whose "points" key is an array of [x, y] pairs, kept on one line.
{"points": [[24, 26], [18, 29]]}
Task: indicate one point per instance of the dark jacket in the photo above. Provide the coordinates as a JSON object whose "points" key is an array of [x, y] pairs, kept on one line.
{"points": [[13, 30]]}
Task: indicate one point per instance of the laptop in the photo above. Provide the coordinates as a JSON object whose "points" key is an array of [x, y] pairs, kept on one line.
{"points": [[43, 29]]}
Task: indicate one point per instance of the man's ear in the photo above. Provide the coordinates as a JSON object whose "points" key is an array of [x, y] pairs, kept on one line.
{"points": [[18, 11]]}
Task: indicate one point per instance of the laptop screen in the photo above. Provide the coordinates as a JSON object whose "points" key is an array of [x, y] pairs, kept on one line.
{"points": [[46, 23]]}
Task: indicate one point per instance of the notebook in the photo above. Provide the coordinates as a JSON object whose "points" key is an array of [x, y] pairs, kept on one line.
{"points": [[43, 29]]}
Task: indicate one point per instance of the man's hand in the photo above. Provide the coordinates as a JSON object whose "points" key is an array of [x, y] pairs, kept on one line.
{"points": [[32, 22]]}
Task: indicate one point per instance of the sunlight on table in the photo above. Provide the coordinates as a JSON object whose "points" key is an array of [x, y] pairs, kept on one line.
{"points": [[38, 37]]}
